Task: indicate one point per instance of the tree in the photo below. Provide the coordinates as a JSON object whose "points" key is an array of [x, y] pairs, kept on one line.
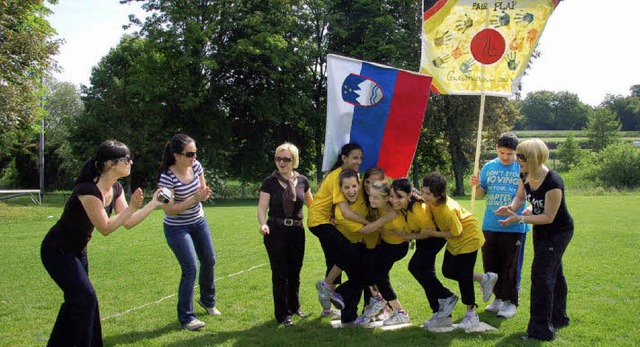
{"points": [[602, 129], [545, 110], [569, 152], [28, 47], [627, 110]]}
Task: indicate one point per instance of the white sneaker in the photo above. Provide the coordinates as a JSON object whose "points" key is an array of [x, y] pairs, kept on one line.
{"points": [[193, 325], [508, 310], [397, 318], [384, 314], [488, 282], [435, 322], [495, 306], [470, 321], [323, 295], [374, 307], [331, 313], [446, 306]]}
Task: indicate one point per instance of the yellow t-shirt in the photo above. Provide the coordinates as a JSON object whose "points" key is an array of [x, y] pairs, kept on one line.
{"points": [[347, 227], [328, 195], [463, 225], [398, 224], [420, 218]]}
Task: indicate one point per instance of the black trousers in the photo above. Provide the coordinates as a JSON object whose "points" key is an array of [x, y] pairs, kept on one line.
{"points": [[423, 268], [351, 290], [386, 255], [460, 268], [78, 322], [501, 254], [548, 284], [285, 247]]}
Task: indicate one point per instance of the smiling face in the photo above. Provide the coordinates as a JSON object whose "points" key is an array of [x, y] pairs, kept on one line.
{"points": [[377, 177], [350, 187], [428, 197], [284, 162], [188, 156], [399, 200], [377, 199], [353, 160]]}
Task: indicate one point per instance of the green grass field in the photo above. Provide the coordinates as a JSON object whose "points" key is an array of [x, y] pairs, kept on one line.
{"points": [[136, 278]]}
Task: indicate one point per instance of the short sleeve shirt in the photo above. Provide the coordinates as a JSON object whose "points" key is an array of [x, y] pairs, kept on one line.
{"points": [[563, 220], [181, 192], [501, 184], [272, 186], [328, 195]]}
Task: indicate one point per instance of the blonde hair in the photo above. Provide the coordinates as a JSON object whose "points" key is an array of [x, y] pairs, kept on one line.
{"points": [[287, 146], [535, 151]]}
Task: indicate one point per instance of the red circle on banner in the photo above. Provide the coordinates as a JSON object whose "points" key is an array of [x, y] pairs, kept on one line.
{"points": [[488, 46]]}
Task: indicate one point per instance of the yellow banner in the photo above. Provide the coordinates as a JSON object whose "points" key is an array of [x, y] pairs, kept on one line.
{"points": [[474, 46]]}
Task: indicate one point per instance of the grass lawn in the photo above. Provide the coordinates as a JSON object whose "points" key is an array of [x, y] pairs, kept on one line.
{"points": [[136, 278]]}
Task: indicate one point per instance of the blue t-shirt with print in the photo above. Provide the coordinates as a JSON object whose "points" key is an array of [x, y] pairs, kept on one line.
{"points": [[501, 184]]}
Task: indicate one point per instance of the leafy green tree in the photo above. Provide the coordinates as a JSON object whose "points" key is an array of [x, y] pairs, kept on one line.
{"points": [[602, 129], [615, 166], [27, 48], [627, 110], [569, 152], [545, 110]]}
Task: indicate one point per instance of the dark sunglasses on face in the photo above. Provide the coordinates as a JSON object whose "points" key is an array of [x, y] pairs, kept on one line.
{"points": [[189, 154], [127, 159], [284, 159], [521, 157]]}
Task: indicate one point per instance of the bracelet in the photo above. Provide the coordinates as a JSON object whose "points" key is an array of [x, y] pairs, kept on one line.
{"points": [[521, 219]]}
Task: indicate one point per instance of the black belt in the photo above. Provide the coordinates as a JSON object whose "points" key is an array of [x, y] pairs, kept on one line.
{"points": [[289, 222]]}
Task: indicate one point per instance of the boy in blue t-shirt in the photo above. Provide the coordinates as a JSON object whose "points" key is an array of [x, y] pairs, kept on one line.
{"points": [[504, 246]]}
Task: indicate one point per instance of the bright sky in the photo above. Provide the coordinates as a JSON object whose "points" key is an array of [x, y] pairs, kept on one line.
{"points": [[588, 48]]}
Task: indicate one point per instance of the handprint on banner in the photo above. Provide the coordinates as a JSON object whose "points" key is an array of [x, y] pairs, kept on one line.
{"points": [[527, 18], [459, 50], [463, 24], [516, 43], [510, 58], [442, 39], [441, 60], [500, 20], [467, 65], [532, 35]]}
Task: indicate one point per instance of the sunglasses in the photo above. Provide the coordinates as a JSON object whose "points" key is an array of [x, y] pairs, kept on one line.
{"points": [[284, 159], [127, 159], [521, 157], [189, 154]]}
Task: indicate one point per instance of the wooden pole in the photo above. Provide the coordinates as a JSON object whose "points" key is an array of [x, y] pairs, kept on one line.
{"points": [[476, 164]]}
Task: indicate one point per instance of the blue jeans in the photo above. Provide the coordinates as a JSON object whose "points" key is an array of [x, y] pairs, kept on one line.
{"points": [[187, 242]]}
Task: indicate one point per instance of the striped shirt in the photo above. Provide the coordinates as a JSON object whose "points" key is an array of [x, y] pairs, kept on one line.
{"points": [[181, 192]]}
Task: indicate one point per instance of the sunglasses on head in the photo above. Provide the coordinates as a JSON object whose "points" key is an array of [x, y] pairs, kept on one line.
{"points": [[189, 154], [127, 158], [521, 157], [284, 159]]}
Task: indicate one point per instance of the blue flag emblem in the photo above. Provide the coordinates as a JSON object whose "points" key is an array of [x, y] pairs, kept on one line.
{"points": [[361, 91]]}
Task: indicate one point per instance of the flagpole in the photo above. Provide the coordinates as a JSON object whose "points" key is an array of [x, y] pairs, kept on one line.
{"points": [[476, 164]]}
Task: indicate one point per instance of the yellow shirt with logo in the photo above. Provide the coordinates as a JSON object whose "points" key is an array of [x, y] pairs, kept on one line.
{"points": [[397, 224], [328, 195], [462, 224]]}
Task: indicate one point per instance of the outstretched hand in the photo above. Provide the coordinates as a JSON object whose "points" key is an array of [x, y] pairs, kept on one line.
{"points": [[136, 198], [155, 201], [513, 218]]}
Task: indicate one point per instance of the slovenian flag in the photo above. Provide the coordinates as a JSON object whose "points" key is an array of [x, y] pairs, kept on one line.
{"points": [[379, 107]]}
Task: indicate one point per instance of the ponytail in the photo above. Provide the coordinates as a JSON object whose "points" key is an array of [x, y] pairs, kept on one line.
{"points": [[92, 168], [176, 145], [345, 150], [88, 172]]}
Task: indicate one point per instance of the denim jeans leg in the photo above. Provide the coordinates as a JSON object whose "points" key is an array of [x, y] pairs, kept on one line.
{"points": [[206, 252], [182, 245]]}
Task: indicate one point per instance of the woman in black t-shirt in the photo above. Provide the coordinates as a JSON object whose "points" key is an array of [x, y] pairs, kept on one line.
{"points": [[552, 231], [283, 194], [96, 194]]}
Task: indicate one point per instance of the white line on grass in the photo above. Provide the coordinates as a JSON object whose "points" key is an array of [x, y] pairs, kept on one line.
{"points": [[172, 295]]}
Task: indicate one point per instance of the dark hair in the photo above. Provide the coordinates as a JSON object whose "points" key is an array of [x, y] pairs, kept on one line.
{"points": [[108, 150], [376, 170], [437, 185], [404, 185], [348, 174], [508, 140], [176, 145], [345, 150]]}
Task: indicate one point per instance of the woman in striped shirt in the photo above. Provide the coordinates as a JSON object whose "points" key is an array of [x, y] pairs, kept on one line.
{"points": [[186, 228]]}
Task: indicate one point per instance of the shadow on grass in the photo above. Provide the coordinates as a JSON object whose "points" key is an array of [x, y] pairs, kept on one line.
{"points": [[516, 340], [132, 337]]}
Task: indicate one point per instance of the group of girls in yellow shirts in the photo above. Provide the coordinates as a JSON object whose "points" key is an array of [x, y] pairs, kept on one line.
{"points": [[364, 227]]}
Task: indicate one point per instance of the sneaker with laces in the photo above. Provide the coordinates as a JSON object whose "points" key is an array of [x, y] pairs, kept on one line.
{"points": [[470, 321], [374, 307], [396, 318], [324, 290], [495, 306], [362, 321], [488, 282], [193, 325], [508, 310], [210, 310], [446, 306], [435, 322], [336, 300], [331, 313]]}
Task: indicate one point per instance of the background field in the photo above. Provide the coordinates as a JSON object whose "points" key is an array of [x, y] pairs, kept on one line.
{"points": [[136, 278]]}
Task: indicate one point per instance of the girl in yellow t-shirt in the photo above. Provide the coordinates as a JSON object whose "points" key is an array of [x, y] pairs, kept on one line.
{"points": [[464, 238]]}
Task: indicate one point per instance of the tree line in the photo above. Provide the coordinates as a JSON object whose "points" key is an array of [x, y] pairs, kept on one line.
{"points": [[241, 77]]}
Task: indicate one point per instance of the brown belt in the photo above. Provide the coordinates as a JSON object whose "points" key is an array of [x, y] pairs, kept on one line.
{"points": [[289, 222]]}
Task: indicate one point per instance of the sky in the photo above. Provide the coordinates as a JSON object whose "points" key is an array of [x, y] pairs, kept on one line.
{"points": [[588, 49]]}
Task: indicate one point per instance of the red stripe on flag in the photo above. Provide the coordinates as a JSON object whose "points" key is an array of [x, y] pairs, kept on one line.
{"points": [[402, 131], [433, 9]]}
